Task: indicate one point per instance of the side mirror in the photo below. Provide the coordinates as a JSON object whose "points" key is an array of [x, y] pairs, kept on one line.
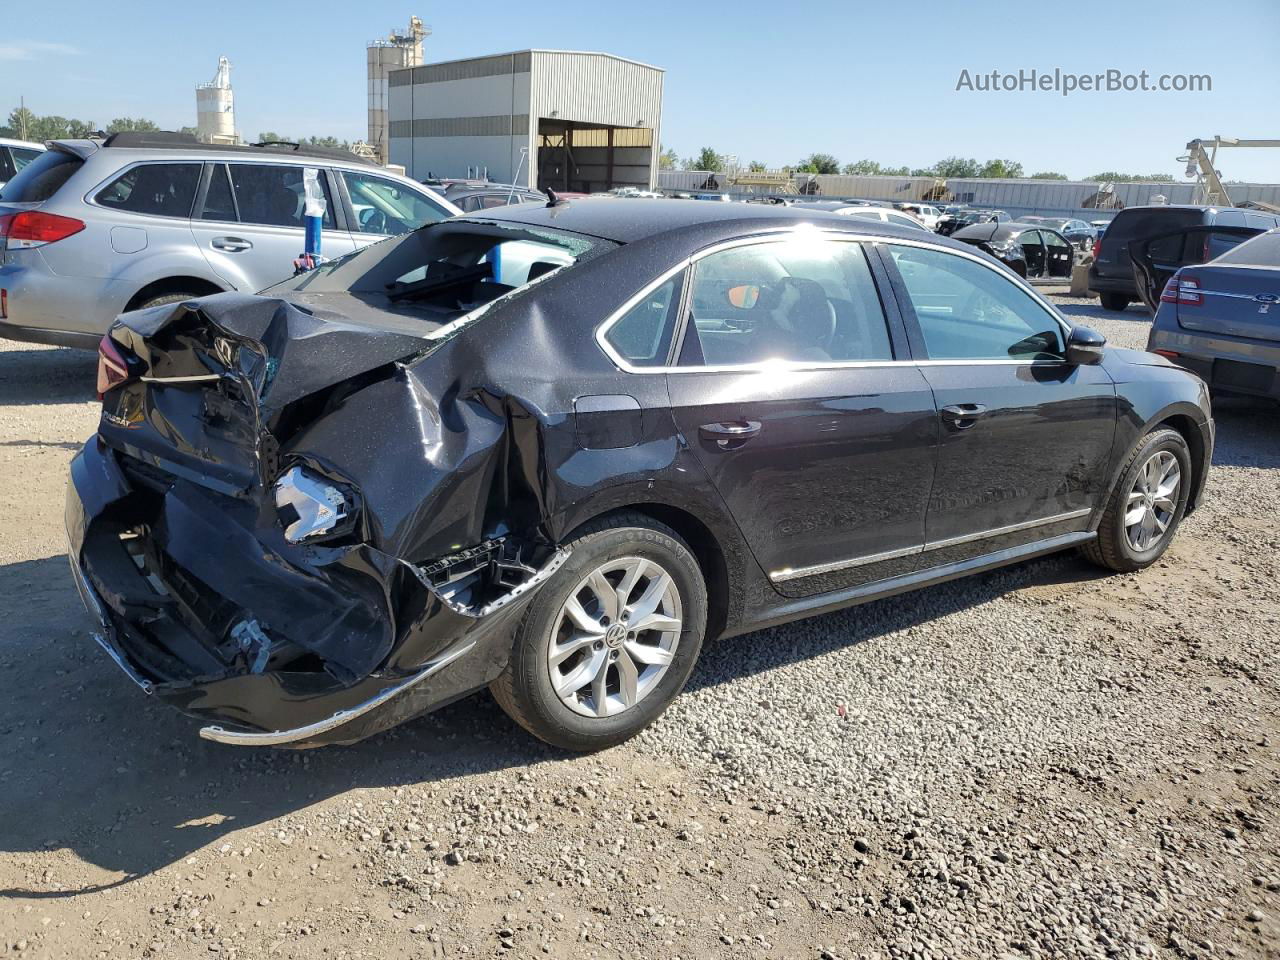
{"points": [[1084, 346]]}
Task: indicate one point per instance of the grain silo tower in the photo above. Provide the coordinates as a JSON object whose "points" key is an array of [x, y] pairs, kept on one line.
{"points": [[400, 49], [215, 110]]}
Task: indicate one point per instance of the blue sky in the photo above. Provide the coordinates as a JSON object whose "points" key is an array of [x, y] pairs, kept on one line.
{"points": [[765, 81]]}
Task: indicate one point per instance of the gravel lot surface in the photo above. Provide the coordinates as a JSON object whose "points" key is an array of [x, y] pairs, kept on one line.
{"points": [[1039, 762]]}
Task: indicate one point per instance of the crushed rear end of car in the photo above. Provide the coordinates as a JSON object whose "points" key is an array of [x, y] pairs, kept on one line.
{"points": [[291, 527]]}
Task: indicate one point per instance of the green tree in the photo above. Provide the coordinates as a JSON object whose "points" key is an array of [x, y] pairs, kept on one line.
{"points": [[190, 131], [1000, 169], [270, 136], [863, 168], [953, 167], [708, 159], [136, 124], [1132, 177], [1048, 175], [819, 163], [756, 166], [667, 159]]}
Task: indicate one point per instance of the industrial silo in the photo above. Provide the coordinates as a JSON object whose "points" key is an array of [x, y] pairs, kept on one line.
{"points": [[215, 109]]}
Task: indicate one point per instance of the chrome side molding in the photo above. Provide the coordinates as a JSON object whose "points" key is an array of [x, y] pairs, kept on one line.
{"points": [[782, 576]]}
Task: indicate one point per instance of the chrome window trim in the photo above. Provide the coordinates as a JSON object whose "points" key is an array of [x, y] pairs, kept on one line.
{"points": [[789, 573], [797, 366]]}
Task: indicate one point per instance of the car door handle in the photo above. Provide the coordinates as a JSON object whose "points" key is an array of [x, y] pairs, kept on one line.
{"points": [[230, 244], [729, 435], [962, 416]]}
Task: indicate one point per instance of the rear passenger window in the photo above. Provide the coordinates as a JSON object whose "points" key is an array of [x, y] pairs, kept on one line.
{"points": [[159, 189], [800, 300], [967, 311], [272, 194], [642, 336], [6, 165], [218, 204]]}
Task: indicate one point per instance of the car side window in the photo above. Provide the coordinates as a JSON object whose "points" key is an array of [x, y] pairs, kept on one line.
{"points": [[23, 155], [967, 311], [1054, 240], [6, 165], [388, 208], [802, 300], [159, 189], [642, 335], [218, 203], [272, 194]]}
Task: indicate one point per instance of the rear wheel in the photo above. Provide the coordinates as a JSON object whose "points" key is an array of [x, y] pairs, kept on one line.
{"points": [[1146, 505], [610, 639], [1114, 301], [162, 299]]}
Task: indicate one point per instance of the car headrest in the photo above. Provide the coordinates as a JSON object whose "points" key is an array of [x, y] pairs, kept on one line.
{"points": [[800, 307]]}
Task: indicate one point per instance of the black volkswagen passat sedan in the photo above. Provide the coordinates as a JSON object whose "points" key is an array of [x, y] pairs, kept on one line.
{"points": [[551, 449]]}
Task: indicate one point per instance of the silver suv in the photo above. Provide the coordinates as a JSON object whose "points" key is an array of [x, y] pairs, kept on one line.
{"points": [[90, 229]]}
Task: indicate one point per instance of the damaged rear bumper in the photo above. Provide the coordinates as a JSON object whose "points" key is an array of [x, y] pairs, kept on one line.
{"points": [[207, 607]]}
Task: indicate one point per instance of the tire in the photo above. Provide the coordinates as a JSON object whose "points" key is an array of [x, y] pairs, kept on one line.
{"points": [[1115, 546], [525, 688], [1114, 301], [162, 299]]}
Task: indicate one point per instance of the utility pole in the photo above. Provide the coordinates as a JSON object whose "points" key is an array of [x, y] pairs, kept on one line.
{"points": [[22, 117]]}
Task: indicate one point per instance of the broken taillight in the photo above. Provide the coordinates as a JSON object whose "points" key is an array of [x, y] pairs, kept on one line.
{"points": [[32, 228], [112, 368], [1097, 248]]}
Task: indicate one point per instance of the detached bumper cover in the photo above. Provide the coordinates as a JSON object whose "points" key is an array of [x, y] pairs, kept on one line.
{"points": [[215, 612]]}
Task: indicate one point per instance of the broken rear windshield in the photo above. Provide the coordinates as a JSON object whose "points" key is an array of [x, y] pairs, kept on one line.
{"points": [[449, 268]]}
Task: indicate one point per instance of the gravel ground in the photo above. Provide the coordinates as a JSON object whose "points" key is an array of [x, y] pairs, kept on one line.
{"points": [[1039, 762]]}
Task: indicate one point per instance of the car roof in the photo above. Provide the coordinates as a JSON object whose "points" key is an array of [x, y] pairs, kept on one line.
{"points": [[611, 219], [29, 144], [1010, 228], [166, 145]]}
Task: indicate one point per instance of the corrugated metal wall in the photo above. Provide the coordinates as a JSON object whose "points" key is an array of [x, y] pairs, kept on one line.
{"points": [[441, 111], [598, 88]]}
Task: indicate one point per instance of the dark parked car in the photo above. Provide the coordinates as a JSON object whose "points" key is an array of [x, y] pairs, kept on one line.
{"points": [[470, 197], [1079, 233], [1222, 319], [948, 224], [550, 449], [1030, 250], [1112, 274]]}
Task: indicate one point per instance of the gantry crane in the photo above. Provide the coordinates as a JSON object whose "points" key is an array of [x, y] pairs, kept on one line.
{"points": [[1200, 159]]}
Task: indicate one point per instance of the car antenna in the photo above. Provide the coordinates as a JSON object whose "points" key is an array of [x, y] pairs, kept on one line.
{"points": [[552, 198]]}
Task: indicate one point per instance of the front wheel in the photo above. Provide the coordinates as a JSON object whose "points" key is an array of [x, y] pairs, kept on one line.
{"points": [[1147, 504], [610, 639]]}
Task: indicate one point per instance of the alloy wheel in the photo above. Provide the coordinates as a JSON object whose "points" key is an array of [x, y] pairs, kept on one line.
{"points": [[1153, 501], [615, 637]]}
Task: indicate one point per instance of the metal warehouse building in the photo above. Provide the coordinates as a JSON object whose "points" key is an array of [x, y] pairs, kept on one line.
{"points": [[553, 119]]}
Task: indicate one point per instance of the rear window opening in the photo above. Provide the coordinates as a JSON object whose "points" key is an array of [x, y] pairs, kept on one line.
{"points": [[448, 269], [40, 179]]}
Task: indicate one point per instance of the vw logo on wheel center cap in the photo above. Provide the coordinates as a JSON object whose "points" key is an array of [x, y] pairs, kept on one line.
{"points": [[614, 636]]}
